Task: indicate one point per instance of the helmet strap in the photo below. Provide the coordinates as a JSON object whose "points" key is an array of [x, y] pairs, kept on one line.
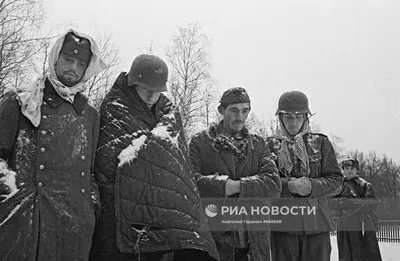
{"points": [[308, 117]]}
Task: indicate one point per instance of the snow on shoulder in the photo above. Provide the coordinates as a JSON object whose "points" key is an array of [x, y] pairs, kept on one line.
{"points": [[162, 132], [7, 178]]}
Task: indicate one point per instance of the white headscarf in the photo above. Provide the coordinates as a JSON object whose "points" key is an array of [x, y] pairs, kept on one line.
{"points": [[31, 96]]}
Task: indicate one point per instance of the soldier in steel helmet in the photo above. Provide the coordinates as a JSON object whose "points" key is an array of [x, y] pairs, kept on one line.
{"points": [[151, 207], [233, 163], [355, 207], [310, 174]]}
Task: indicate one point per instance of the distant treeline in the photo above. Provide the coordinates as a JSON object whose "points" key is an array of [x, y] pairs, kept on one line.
{"points": [[384, 174]]}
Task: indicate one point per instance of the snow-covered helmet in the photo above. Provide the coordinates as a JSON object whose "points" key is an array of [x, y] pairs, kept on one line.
{"points": [[150, 72], [293, 102]]}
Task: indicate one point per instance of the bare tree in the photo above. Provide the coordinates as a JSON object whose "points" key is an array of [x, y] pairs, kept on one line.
{"points": [[40, 60], [384, 174], [274, 126], [315, 127], [256, 125], [99, 85], [190, 77], [210, 112], [390, 176], [336, 143], [20, 22], [149, 49]]}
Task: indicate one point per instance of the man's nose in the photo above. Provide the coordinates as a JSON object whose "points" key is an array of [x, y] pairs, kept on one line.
{"points": [[240, 116], [73, 66]]}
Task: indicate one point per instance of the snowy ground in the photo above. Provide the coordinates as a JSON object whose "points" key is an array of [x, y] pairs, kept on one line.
{"points": [[389, 251]]}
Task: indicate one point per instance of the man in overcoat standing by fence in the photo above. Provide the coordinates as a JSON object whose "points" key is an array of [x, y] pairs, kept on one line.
{"points": [[358, 222]]}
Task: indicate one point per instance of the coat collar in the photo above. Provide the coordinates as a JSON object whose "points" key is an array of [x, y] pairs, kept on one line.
{"points": [[228, 156], [355, 179], [217, 129], [51, 97]]}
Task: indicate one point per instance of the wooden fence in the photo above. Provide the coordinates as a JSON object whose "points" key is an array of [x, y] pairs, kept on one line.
{"points": [[389, 231]]}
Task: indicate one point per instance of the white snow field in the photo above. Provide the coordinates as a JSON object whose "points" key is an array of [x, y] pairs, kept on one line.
{"points": [[389, 251]]}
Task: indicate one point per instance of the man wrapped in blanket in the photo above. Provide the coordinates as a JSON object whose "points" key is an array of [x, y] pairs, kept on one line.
{"points": [[151, 203]]}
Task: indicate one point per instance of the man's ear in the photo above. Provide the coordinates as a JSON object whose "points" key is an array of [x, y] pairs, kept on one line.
{"points": [[221, 109]]}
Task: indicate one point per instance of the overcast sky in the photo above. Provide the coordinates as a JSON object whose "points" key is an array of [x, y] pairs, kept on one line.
{"points": [[345, 55]]}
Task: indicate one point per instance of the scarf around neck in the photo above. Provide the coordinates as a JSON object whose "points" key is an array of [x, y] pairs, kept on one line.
{"points": [[299, 150]]}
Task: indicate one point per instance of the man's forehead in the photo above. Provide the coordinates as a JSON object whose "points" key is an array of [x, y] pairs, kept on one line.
{"points": [[293, 114], [239, 106], [70, 57]]}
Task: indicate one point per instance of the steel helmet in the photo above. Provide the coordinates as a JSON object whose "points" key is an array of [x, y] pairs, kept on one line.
{"points": [[293, 102], [150, 72]]}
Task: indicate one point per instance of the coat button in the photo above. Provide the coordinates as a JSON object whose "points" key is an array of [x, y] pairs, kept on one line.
{"points": [[82, 173], [40, 184], [44, 117], [45, 103], [83, 157], [83, 191], [42, 149], [41, 167], [43, 132]]}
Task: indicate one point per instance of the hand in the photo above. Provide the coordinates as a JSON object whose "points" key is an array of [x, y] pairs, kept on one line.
{"points": [[301, 186], [232, 187], [291, 186]]}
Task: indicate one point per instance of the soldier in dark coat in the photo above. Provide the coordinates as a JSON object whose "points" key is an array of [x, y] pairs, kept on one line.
{"points": [[310, 174], [233, 163], [358, 222], [48, 135], [151, 203]]}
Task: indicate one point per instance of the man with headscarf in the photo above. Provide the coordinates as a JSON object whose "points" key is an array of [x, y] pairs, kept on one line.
{"points": [[151, 203], [310, 174], [48, 196], [232, 163]]}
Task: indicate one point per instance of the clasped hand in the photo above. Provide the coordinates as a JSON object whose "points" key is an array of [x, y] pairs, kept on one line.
{"points": [[301, 186]]}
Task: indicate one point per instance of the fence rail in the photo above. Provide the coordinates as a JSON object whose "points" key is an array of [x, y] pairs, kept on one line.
{"points": [[389, 231]]}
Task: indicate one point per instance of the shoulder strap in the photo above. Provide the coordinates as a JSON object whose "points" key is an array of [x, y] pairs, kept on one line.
{"points": [[361, 182], [351, 188]]}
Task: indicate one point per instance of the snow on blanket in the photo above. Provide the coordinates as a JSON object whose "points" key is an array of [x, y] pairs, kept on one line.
{"points": [[7, 178], [116, 103], [162, 132], [131, 152]]}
